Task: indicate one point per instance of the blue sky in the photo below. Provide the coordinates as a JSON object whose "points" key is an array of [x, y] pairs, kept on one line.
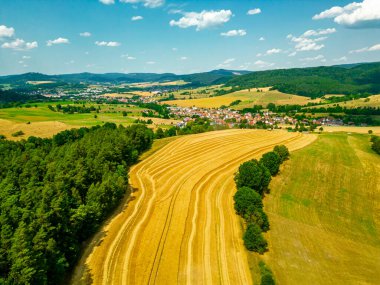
{"points": [[68, 36]]}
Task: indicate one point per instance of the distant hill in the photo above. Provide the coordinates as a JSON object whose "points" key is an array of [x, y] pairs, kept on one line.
{"points": [[314, 82], [197, 79]]}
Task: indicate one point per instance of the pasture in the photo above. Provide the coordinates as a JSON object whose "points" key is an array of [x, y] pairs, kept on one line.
{"points": [[39, 120], [324, 213], [180, 225]]}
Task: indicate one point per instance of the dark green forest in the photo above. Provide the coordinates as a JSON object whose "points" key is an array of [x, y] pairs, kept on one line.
{"points": [[54, 194], [314, 82]]}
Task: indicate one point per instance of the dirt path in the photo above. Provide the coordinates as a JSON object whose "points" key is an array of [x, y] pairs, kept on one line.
{"points": [[181, 228]]}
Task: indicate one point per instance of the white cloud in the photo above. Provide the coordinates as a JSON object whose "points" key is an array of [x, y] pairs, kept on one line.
{"points": [[203, 20], [316, 58], [366, 49], [320, 32], [19, 44], [308, 41], [261, 39], [226, 63], [6, 32], [26, 57], [137, 18], [183, 58], [107, 44], [254, 11], [263, 64], [107, 2], [150, 62], [294, 53], [174, 49], [57, 41], [343, 58], [259, 54], [146, 3], [126, 56], [234, 33], [355, 15], [85, 34], [273, 51]]}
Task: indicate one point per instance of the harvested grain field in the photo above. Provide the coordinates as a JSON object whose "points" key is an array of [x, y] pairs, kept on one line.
{"points": [[181, 227]]}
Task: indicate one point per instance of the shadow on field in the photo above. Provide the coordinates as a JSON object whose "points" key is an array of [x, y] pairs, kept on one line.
{"points": [[81, 273]]}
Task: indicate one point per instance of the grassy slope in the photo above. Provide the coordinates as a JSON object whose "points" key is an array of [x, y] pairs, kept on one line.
{"points": [[324, 210], [248, 99]]}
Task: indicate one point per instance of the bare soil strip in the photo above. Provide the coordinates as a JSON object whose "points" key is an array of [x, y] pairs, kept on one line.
{"points": [[181, 228]]}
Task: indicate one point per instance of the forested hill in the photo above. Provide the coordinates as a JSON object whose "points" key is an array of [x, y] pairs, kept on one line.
{"points": [[54, 193], [315, 82], [196, 79]]}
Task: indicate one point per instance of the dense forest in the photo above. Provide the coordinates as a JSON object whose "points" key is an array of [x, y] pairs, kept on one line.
{"points": [[54, 194], [314, 82]]}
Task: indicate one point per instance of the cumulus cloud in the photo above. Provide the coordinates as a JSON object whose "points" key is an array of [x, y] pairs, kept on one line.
{"points": [[309, 40], [146, 3], [273, 51], [234, 33], [354, 15], [150, 62], [107, 44], [183, 58], [203, 20], [137, 18], [57, 41], [261, 39], [263, 64], [294, 53], [107, 2], [316, 58], [6, 32], [26, 57], [85, 34], [254, 11], [19, 44], [366, 49]]}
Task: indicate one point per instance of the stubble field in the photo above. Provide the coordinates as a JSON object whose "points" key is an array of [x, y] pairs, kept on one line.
{"points": [[181, 227]]}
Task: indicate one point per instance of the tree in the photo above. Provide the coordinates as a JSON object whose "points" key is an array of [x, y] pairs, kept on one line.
{"points": [[254, 240], [254, 175], [282, 151], [370, 132], [125, 113], [245, 198], [321, 129], [272, 161], [159, 133]]}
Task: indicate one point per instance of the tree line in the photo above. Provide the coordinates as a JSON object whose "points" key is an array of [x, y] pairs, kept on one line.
{"points": [[252, 181], [55, 193]]}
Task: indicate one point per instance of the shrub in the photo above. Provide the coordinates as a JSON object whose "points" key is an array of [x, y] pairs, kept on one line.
{"points": [[17, 134], [2, 137], [272, 161], [376, 144], [266, 275], [254, 240], [282, 151], [254, 175]]}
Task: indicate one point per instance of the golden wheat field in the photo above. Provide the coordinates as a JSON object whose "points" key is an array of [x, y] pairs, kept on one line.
{"points": [[248, 98], [180, 226]]}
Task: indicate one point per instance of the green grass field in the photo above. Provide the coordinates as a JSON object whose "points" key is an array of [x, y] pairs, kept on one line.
{"points": [[324, 210], [45, 123]]}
